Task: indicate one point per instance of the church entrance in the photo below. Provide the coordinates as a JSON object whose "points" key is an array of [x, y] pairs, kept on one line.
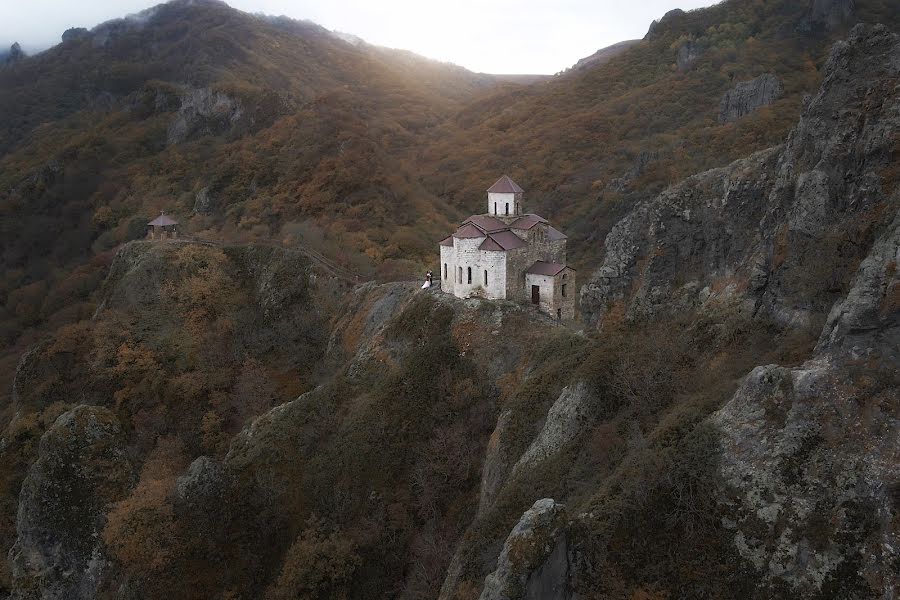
{"points": [[535, 294]]}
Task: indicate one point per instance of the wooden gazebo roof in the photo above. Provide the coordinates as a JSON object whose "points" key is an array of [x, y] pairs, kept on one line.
{"points": [[162, 220]]}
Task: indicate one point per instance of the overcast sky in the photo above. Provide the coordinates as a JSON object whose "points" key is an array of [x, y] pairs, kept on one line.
{"points": [[493, 36]]}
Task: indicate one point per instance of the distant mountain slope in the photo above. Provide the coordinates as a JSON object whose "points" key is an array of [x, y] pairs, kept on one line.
{"points": [[604, 55], [589, 145]]}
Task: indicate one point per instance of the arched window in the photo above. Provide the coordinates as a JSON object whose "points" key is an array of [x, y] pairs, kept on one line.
{"points": [[445, 271], [485, 277], [495, 208], [507, 208], [460, 275], [469, 273]]}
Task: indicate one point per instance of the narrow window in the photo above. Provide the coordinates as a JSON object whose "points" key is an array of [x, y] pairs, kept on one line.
{"points": [[445, 271], [559, 314], [469, 274], [485, 277], [495, 208], [563, 290], [460, 275], [507, 208]]}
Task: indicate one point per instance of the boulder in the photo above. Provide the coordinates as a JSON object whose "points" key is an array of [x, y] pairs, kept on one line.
{"points": [[534, 562]]}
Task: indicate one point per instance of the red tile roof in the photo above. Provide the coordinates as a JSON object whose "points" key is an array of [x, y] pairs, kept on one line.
{"points": [[546, 268], [505, 185], [490, 245], [508, 240], [527, 221], [555, 235], [486, 223], [469, 231]]}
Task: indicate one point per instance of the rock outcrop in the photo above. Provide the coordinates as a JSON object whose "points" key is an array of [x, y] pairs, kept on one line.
{"points": [[534, 562], [81, 469], [813, 507], [779, 234], [75, 33], [204, 112], [687, 55], [14, 55], [658, 25], [827, 15], [749, 96], [641, 161], [569, 416]]}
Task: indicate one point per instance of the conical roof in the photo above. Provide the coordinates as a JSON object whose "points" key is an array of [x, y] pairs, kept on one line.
{"points": [[505, 185], [162, 220]]}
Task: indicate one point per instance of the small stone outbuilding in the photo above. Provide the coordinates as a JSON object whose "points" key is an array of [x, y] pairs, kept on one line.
{"points": [[549, 286]]}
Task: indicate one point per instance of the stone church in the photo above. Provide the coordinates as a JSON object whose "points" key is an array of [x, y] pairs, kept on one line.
{"points": [[508, 254]]}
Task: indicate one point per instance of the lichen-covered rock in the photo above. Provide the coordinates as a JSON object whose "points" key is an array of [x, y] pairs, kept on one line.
{"points": [[812, 457], [82, 468], [749, 96], [534, 562], [812, 454]]}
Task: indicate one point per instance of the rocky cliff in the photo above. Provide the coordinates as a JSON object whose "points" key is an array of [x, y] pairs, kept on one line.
{"points": [[779, 234]]}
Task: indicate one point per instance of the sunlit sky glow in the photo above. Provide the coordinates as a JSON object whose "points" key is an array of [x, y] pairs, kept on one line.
{"points": [[492, 36]]}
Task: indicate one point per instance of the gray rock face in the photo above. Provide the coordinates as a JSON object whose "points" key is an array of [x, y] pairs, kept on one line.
{"points": [[810, 454], [534, 563], [754, 232], [687, 55], [620, 184], [749, 96], [865, 325], [810, 476], [82, 468], [203, 203], [828, 14], [204, 112], [566, 420]]}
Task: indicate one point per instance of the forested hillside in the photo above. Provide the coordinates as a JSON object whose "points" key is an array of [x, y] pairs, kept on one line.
{"points": [[233, 416]]}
